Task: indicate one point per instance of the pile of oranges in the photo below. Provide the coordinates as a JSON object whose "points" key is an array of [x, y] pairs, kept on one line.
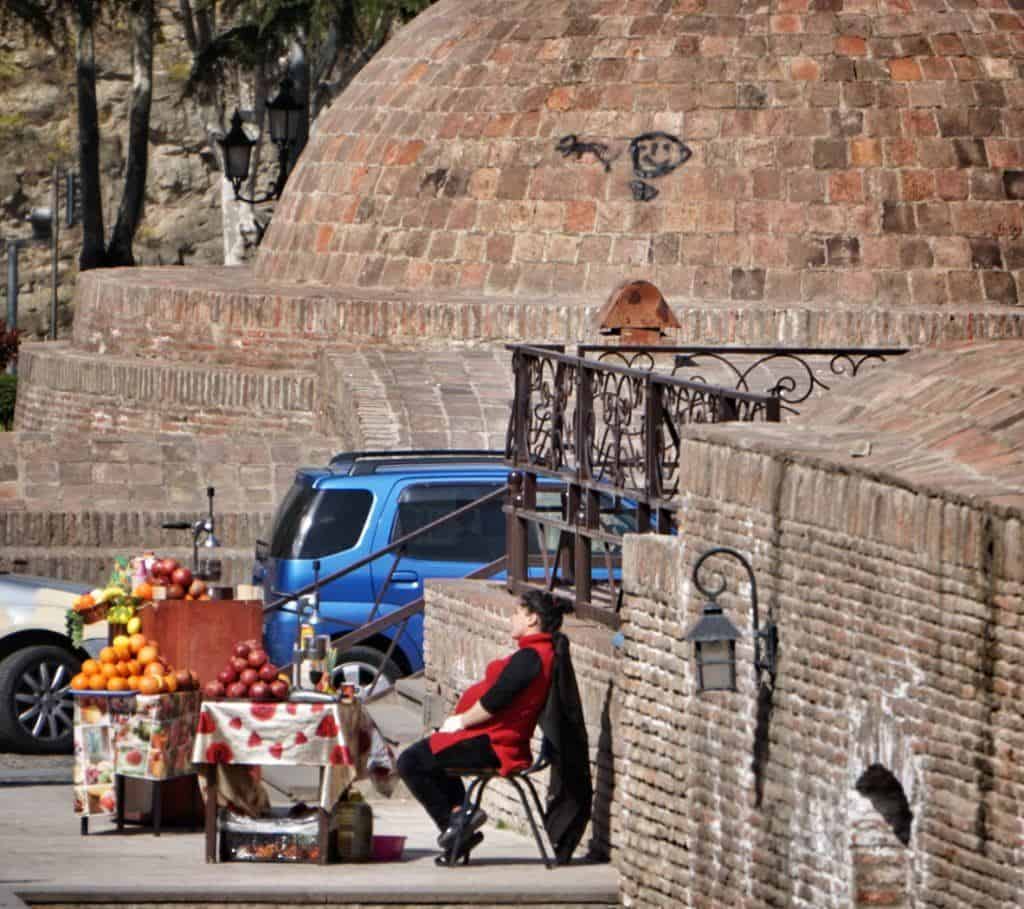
{"points": [[133, 663]]}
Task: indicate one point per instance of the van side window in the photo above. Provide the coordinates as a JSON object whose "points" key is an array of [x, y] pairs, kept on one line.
{"points": [[477, 536], [314, 523]]}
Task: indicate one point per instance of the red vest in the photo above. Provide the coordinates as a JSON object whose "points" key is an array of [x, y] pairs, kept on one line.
{"points": [[510, 729]]}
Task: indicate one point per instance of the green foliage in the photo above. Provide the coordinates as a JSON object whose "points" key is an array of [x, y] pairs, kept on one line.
{"points": [[13, 128], [9, 341], [8, 393]]}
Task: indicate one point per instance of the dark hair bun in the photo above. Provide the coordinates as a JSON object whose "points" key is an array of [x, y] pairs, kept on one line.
{"points": [[549, 608]]}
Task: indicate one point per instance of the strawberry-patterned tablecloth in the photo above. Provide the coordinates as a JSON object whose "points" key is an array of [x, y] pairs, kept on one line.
{"points": [[340, 737]]}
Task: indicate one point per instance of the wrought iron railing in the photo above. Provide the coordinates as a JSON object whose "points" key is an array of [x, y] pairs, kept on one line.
{"points": [[791, 374], [611, 435]]}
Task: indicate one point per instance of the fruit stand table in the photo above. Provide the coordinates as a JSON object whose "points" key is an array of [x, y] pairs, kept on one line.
{"points": [[338, 737], [124, 734]]}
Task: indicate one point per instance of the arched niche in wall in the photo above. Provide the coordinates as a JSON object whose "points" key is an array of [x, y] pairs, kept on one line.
{"points": [[881, 826]]}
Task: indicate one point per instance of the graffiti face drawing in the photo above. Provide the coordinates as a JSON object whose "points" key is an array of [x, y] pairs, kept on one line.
{"points": [[657, 154]]}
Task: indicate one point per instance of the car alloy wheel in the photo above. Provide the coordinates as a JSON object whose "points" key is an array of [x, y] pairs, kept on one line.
{"points": [[42, 701]]}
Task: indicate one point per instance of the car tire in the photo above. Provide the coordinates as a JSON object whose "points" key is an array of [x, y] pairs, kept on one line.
{"points": [[357, 666], [36, 682]]}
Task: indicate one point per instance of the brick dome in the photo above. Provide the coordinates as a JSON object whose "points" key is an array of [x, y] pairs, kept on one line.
{"points": [[792, 151]]}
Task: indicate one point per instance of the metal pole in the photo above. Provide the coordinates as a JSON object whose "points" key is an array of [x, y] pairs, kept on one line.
{"points": [[54, 234], [12, 293]]}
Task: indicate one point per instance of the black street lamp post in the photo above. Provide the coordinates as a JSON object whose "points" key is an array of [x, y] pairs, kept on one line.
{"points": [[285, 115], [714, 636]]}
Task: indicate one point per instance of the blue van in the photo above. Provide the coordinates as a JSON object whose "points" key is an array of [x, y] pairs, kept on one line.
{"points": [[357, 505]]}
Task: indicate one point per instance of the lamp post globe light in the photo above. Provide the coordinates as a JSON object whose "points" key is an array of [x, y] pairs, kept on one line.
{"points": [[714, 636], [285, 115]]}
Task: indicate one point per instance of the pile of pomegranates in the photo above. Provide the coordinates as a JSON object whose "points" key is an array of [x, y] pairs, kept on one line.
{"points": [[178, 580], [248, 674]]}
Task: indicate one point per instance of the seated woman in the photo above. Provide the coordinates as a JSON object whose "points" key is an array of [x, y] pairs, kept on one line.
{"points": [[493, 720]]}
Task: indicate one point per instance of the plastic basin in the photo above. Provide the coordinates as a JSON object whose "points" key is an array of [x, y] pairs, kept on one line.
{"points": [[387, 848]]}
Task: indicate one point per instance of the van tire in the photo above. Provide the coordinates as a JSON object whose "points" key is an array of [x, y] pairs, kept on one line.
{"points": [[357, 665]]}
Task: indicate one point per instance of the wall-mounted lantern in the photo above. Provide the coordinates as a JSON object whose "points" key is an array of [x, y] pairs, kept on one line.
{"points": [[714, 636]]}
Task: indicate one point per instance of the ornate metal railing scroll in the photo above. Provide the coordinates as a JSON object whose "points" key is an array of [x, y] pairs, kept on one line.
{"points": [[791, 374]]}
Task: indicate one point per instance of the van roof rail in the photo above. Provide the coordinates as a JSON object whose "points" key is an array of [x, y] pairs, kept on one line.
{"points": [[358, 462]]}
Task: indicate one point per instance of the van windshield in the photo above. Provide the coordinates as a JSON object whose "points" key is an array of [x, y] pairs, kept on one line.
{"points": [[314, 523]]}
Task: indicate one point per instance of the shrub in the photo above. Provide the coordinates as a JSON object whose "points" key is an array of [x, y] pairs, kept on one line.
{"points": [[8, 393], [8, 345]]}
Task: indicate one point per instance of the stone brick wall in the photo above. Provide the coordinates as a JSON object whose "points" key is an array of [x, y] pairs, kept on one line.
{"points": [[838, 153], [71, 502], [227, 316], [60, 389], [465, 628], [900, 613]]}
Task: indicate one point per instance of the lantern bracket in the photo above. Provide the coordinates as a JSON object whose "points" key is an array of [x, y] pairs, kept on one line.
{"points": [[766, 638]]}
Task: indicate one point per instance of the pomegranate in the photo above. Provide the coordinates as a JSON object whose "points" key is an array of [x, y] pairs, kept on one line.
{"points": [[181, 576], [227, 676], [268, 672], [238, 664], [258, 657], [214, 689], [260, 691], [248, 676], [175, 592], [197, 588], [241, 651], [279, 689], [237, 690]]}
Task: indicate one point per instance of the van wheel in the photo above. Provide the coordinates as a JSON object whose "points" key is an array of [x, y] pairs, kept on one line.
{"points": [[36, 712], [358, 665]]}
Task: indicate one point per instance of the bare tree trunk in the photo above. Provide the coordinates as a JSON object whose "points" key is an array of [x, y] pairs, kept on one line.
{"points": [[134, 196], [93, 253]]}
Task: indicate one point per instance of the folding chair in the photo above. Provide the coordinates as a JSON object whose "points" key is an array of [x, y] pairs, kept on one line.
{"points": [[475, 793]]}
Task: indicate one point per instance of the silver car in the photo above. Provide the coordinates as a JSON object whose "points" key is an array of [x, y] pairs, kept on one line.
{"points": [[37, 662]]}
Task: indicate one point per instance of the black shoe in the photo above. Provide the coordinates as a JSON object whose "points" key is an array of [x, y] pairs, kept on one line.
{"points": [[475, 840], [476, 820]]}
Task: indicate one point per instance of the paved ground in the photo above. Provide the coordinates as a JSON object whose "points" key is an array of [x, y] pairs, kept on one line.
{"points": [[43, 857]]}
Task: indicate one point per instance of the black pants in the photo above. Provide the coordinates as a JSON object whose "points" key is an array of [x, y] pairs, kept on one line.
{"points": [[424, 773]]}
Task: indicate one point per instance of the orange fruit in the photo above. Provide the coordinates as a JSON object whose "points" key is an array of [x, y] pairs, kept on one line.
{"points": [[81, 681], [97, 682], [147, 655], [155, 669], [149, 685], [123, 651], [124, 668], [134, 667], [108, 655], [117, 684], [136, 642], [90, 667], [109, 671], [143, 591], [133, 682], [170, 682]]}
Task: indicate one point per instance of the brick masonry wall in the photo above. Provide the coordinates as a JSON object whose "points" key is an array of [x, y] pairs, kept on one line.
{"points": [[900, 614], [226, 316], [465, 628], [64, 390], [70, 503], [838, 153]]}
